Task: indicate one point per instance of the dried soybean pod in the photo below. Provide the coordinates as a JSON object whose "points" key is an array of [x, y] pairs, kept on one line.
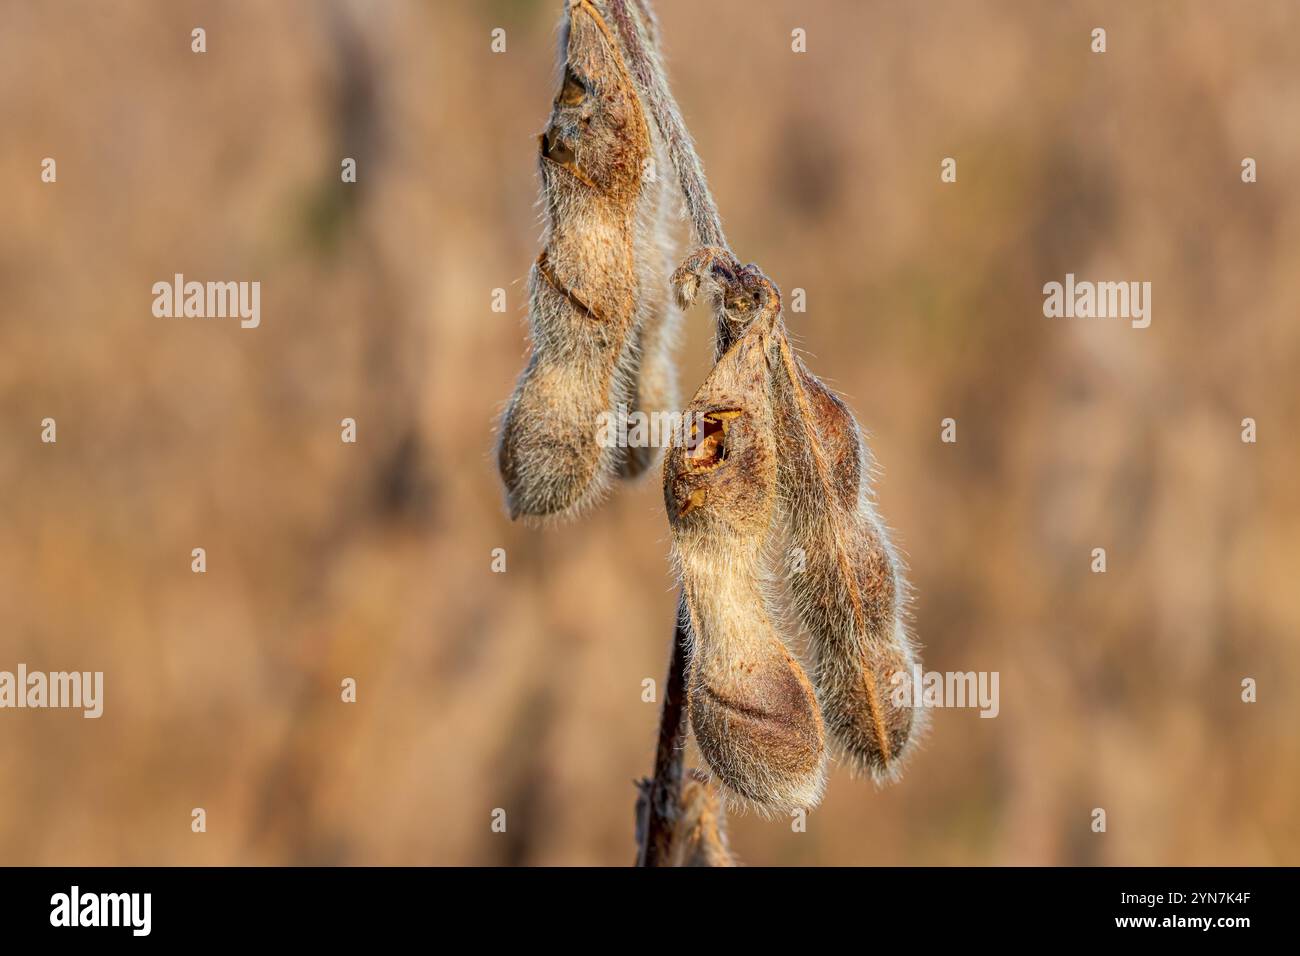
{"points": [[585, 285], [700, 832], [752, 707], [651, 368], [850, 593]]}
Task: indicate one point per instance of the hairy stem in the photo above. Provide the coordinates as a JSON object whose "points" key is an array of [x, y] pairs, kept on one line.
{"points": [[648, 73]]}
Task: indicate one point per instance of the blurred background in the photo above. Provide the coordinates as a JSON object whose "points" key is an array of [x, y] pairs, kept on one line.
{"points": [[522, 690]]}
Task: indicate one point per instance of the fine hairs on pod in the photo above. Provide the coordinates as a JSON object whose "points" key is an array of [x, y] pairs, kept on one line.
{"points": [[751, 706], [849, 594], [602, 324], [700, 831], [771, 462]]}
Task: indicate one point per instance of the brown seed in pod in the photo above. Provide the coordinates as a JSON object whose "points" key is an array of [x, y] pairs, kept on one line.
{"points": [[849, 591], [752, 707]]}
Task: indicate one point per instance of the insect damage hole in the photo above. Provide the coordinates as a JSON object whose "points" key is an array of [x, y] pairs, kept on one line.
{"points": [[573, 90], [557, 150], [710, 441], [555, 145]]}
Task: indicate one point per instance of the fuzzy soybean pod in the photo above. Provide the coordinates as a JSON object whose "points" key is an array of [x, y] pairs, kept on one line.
{"points": [[699, 832], [751, 706], [598, 301], [847, 584], [650, 368]]}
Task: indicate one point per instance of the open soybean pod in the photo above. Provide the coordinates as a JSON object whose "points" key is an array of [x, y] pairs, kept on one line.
{"points": [[751, 706], [849, 592], [598, 298]]}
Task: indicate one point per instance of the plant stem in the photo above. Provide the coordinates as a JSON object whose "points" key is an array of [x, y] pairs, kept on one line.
{"points": [[649, 75], [659, 802]]}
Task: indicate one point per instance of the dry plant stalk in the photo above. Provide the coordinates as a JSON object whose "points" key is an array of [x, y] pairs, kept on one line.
{"points": [[602, 325], [779, 463]]}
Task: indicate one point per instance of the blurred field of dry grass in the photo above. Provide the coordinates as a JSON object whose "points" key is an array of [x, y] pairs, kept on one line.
{"points": [[522, 690]]}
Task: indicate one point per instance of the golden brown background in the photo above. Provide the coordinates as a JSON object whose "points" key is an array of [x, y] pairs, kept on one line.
{"points": [[523, 690]]}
